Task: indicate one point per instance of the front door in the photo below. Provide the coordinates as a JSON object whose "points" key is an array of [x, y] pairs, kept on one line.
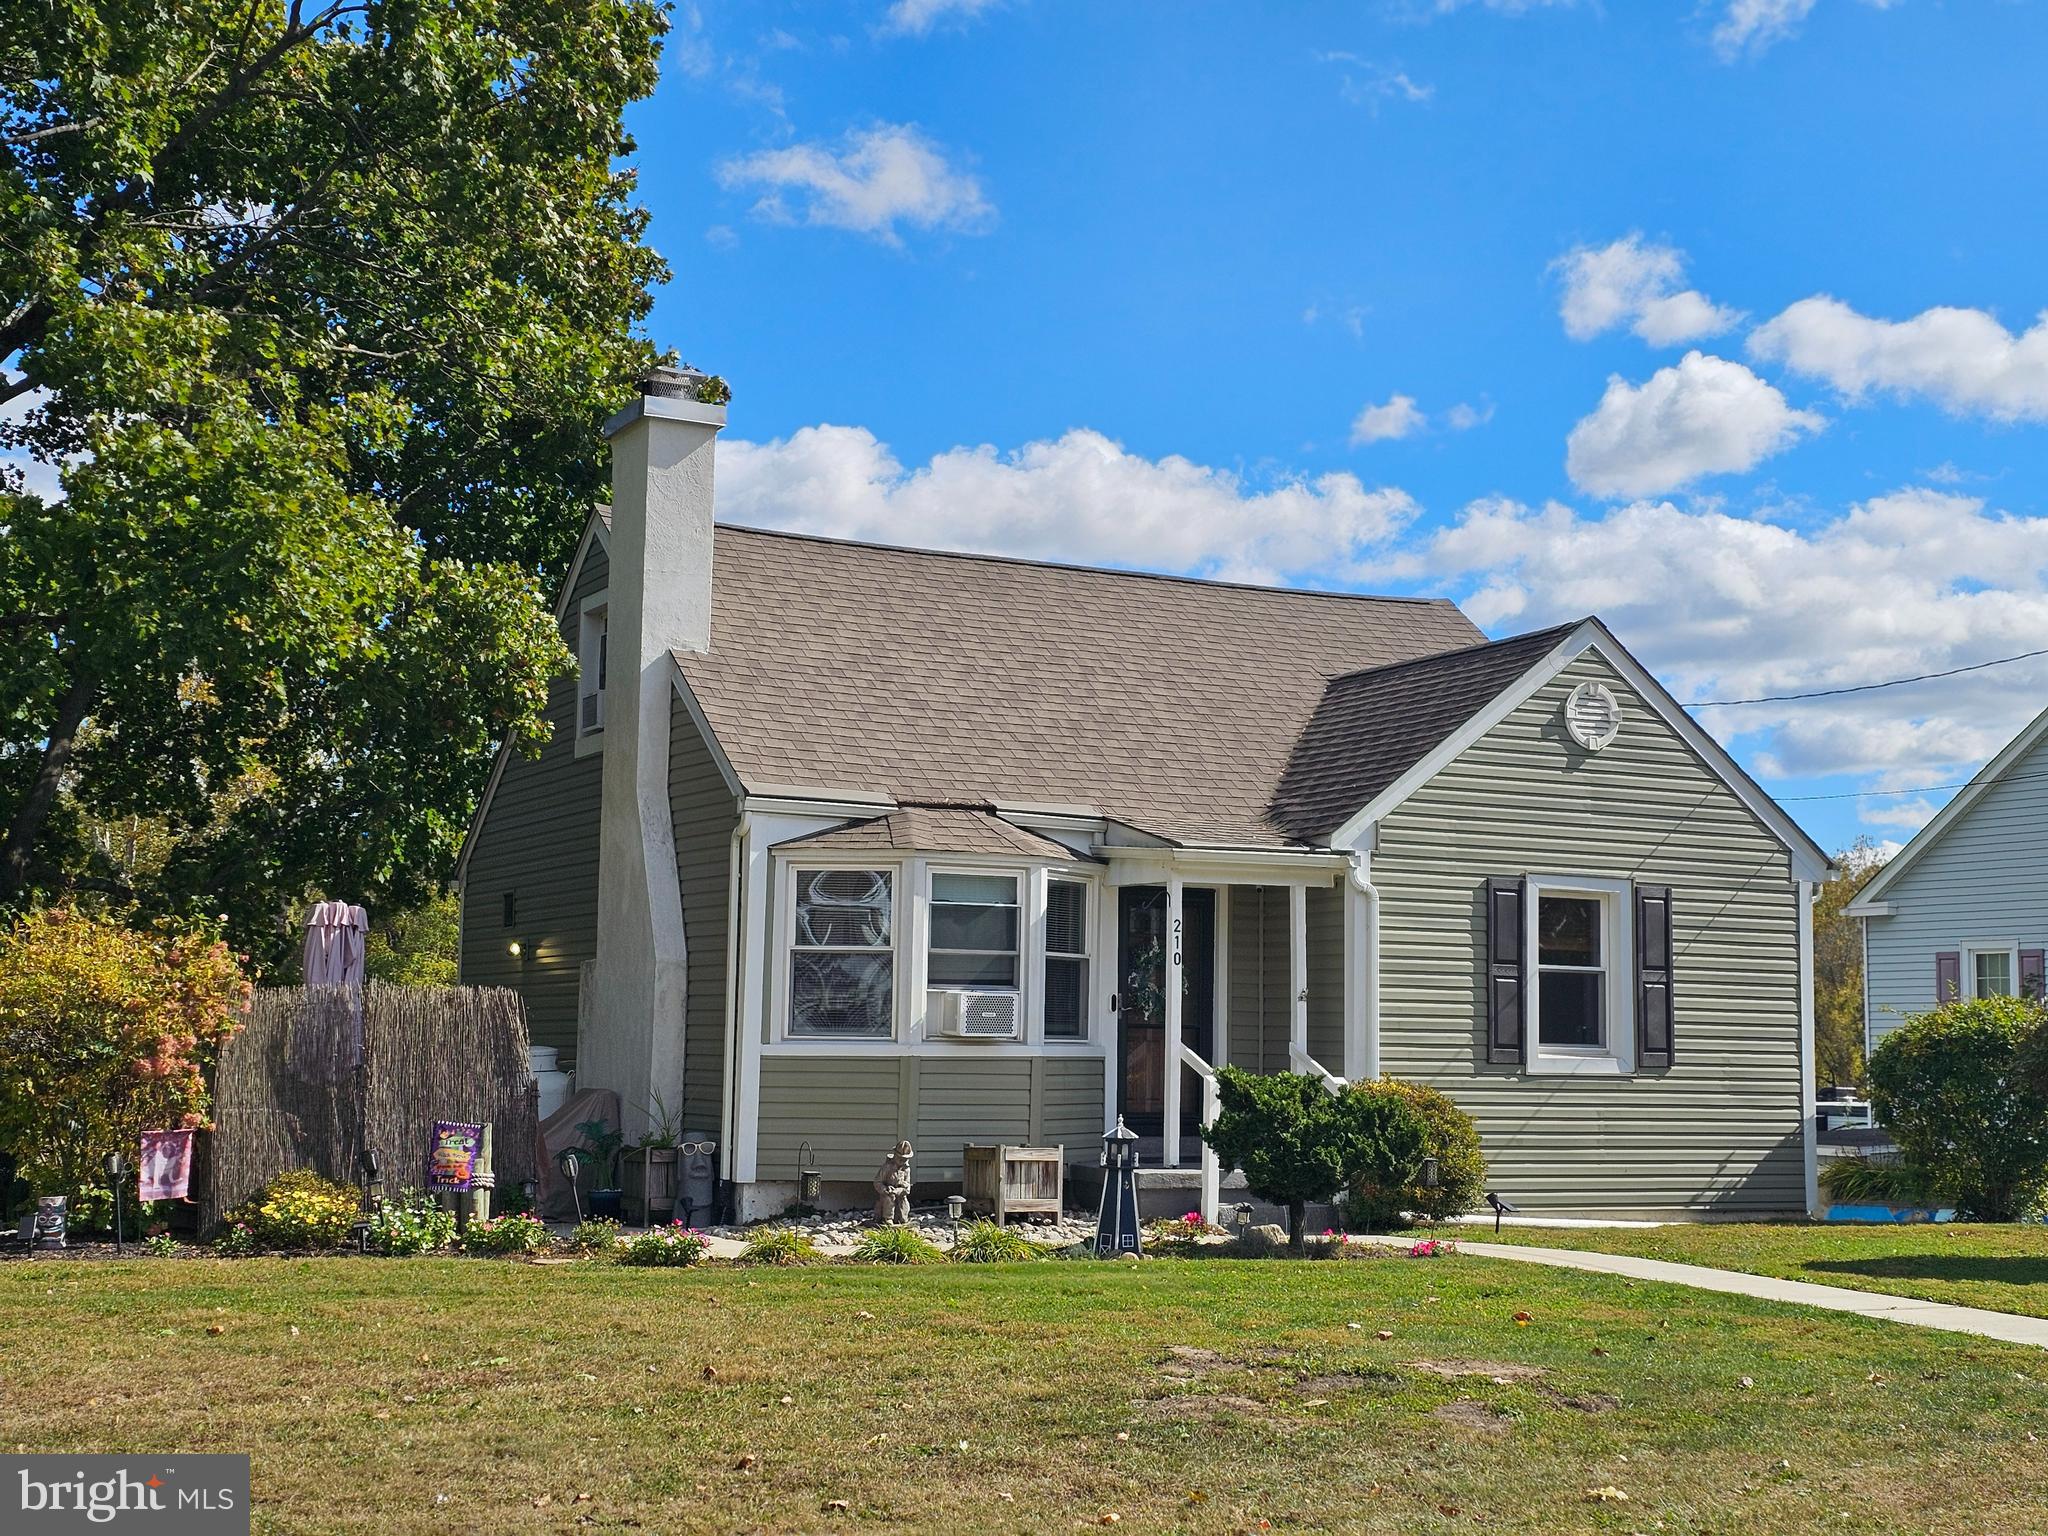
{"points": [[1142, 942]]}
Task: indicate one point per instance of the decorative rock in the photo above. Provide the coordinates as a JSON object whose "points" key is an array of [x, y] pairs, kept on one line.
{"points": [[1263, 1242]]}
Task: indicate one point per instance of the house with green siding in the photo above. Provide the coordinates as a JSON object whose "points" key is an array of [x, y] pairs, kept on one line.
{"points": [[836, 844]]}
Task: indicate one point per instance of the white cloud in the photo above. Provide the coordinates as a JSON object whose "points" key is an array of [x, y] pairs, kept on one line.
{"points": [[880, 177], [1350, 316], [1704, 416], [1463, 416], [1751, 26], [1635, 284], [1962, 359], [1912, 814], [1396, 419], [1367, 82], [1078, 497], [916, 17], [1726, 607]]}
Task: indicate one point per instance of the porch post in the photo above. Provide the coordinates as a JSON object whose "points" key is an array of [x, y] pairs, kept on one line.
{"points": [[1170, 1137], [1297, 973]]}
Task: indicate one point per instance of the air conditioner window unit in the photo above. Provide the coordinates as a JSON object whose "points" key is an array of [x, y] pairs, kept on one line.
{"points": [[961, 1014], [593, 712]]}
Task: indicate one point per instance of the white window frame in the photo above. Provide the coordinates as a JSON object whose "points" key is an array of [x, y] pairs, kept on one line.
{"points": [[592, 653], [1093, 892], [1022, 883], [2010, 948], [786, 953], [1617, 948]]}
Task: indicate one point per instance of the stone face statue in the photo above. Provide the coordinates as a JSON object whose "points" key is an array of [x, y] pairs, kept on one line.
{"points": [[892, 1187]]}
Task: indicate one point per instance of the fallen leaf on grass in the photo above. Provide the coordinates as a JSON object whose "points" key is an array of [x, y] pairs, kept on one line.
{"points": [[215, 1329], [837, 1506], [1745, 1383], [1606, 1495], [1384, 1333], [1523, 1319], [1109, 1517], [746, 1464]]}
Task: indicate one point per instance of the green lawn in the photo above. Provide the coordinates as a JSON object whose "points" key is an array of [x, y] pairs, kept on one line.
{"points": [[963, 1398], [2004, 1268]]}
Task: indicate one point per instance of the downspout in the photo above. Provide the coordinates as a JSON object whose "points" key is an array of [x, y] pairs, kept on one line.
{"points": [[735, 911]]}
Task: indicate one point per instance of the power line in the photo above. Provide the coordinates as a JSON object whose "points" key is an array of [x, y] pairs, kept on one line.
{"points": [[1924, 789], [1896, 682]]}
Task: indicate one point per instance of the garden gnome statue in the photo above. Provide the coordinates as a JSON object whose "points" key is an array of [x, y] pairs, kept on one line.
{"points": [[892, 1187]]}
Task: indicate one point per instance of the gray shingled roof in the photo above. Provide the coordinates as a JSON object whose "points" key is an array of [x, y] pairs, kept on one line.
{"points": [[1169, 704], [934, 829], [1373, 726]]}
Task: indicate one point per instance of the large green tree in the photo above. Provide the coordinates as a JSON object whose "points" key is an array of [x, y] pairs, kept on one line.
{"points": [[320, 307], [1838, 967]]}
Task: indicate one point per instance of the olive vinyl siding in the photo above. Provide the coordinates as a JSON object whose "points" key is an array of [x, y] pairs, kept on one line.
{"points": [[1257, 978], [704, 812], [853, 1109], [538, 843], [1721, 1129], [1983, 883]]}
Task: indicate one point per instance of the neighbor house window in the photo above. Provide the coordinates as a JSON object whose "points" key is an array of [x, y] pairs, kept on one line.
{"points": [[973, 931], [1991, 973], [1571, 963], [842, 978], [1066, 959], [591, 657]]}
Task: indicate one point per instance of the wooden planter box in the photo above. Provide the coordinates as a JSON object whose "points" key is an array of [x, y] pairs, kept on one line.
{"points": [[650, 1181], [1014, 1181]]}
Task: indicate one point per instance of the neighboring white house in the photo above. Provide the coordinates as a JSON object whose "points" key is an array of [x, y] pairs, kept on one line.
{"points": [[1962, 910]]}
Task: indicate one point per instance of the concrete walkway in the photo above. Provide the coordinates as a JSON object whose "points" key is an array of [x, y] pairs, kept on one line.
{"points": [[2003, 1326]]}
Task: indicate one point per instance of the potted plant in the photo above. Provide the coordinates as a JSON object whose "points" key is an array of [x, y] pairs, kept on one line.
{"points": [[650, 1167], [602, 1143]]}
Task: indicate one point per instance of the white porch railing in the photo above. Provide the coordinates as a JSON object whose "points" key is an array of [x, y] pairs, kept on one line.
{"points": [[1301, 1061], [1212, 1105]]}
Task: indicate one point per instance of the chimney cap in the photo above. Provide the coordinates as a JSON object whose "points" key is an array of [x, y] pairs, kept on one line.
{"points": [[672, 383]]}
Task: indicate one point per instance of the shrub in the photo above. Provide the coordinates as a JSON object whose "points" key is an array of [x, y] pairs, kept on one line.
{"points": [[896, 1245], [516, 1233], [301, 1210], [778, 1245], [160, 1245], [235, 1241], [989, 1242], [1950, 1087], [1874, 1181], [674, 1246], [596, 1234], [1176, 1236], [105, 1032], [412, 1224], [1449, 1136], [1296, 1141]]}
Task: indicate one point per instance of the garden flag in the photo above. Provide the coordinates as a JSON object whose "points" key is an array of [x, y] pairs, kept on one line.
{"points": [[165, 1172], [452, 1164]]}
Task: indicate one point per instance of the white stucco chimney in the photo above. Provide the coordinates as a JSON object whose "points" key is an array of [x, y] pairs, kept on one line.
{"points": [[663, 446]]}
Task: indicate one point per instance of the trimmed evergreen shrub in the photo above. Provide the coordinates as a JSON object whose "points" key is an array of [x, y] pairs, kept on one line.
{"points": [[1951, 1088], [1297, 1142], [1450, 1137]]}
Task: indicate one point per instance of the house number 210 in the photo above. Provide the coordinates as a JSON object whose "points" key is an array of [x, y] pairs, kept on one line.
{"points": [[1176, 941]]}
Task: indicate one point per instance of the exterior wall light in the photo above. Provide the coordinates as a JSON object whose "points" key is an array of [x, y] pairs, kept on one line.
{"points": [[513, 949]]}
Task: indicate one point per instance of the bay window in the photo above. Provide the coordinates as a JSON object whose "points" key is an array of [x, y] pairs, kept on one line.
{"points": [[974, 928], [842, 954], [1066, 959]]}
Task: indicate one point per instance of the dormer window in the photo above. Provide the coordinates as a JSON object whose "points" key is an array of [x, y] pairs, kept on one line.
{"points": [[591, 674]]}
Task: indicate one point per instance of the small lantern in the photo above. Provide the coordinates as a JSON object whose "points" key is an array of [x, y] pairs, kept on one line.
{"points": [[810, 1179], [1116, 1224], [956, 1207], [114, 1167], [1428, 1176], [373, 1183], [1241, 1218], [571, 1166]]}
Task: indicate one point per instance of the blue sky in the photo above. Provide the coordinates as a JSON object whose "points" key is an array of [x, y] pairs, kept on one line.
{"points": [[1712, 319]]}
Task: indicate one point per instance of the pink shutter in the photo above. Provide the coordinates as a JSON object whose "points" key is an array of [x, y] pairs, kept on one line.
{"points": [[1948, 977], [2034, 973]]}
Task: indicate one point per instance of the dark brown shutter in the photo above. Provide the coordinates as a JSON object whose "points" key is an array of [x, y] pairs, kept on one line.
{"points": [[2034, 973], [1653, 977], [1504, 969], [1948, 977]]}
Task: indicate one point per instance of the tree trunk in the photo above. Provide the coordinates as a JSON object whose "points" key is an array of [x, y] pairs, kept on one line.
{"points": [[1297, 1224], [34, 810]]}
